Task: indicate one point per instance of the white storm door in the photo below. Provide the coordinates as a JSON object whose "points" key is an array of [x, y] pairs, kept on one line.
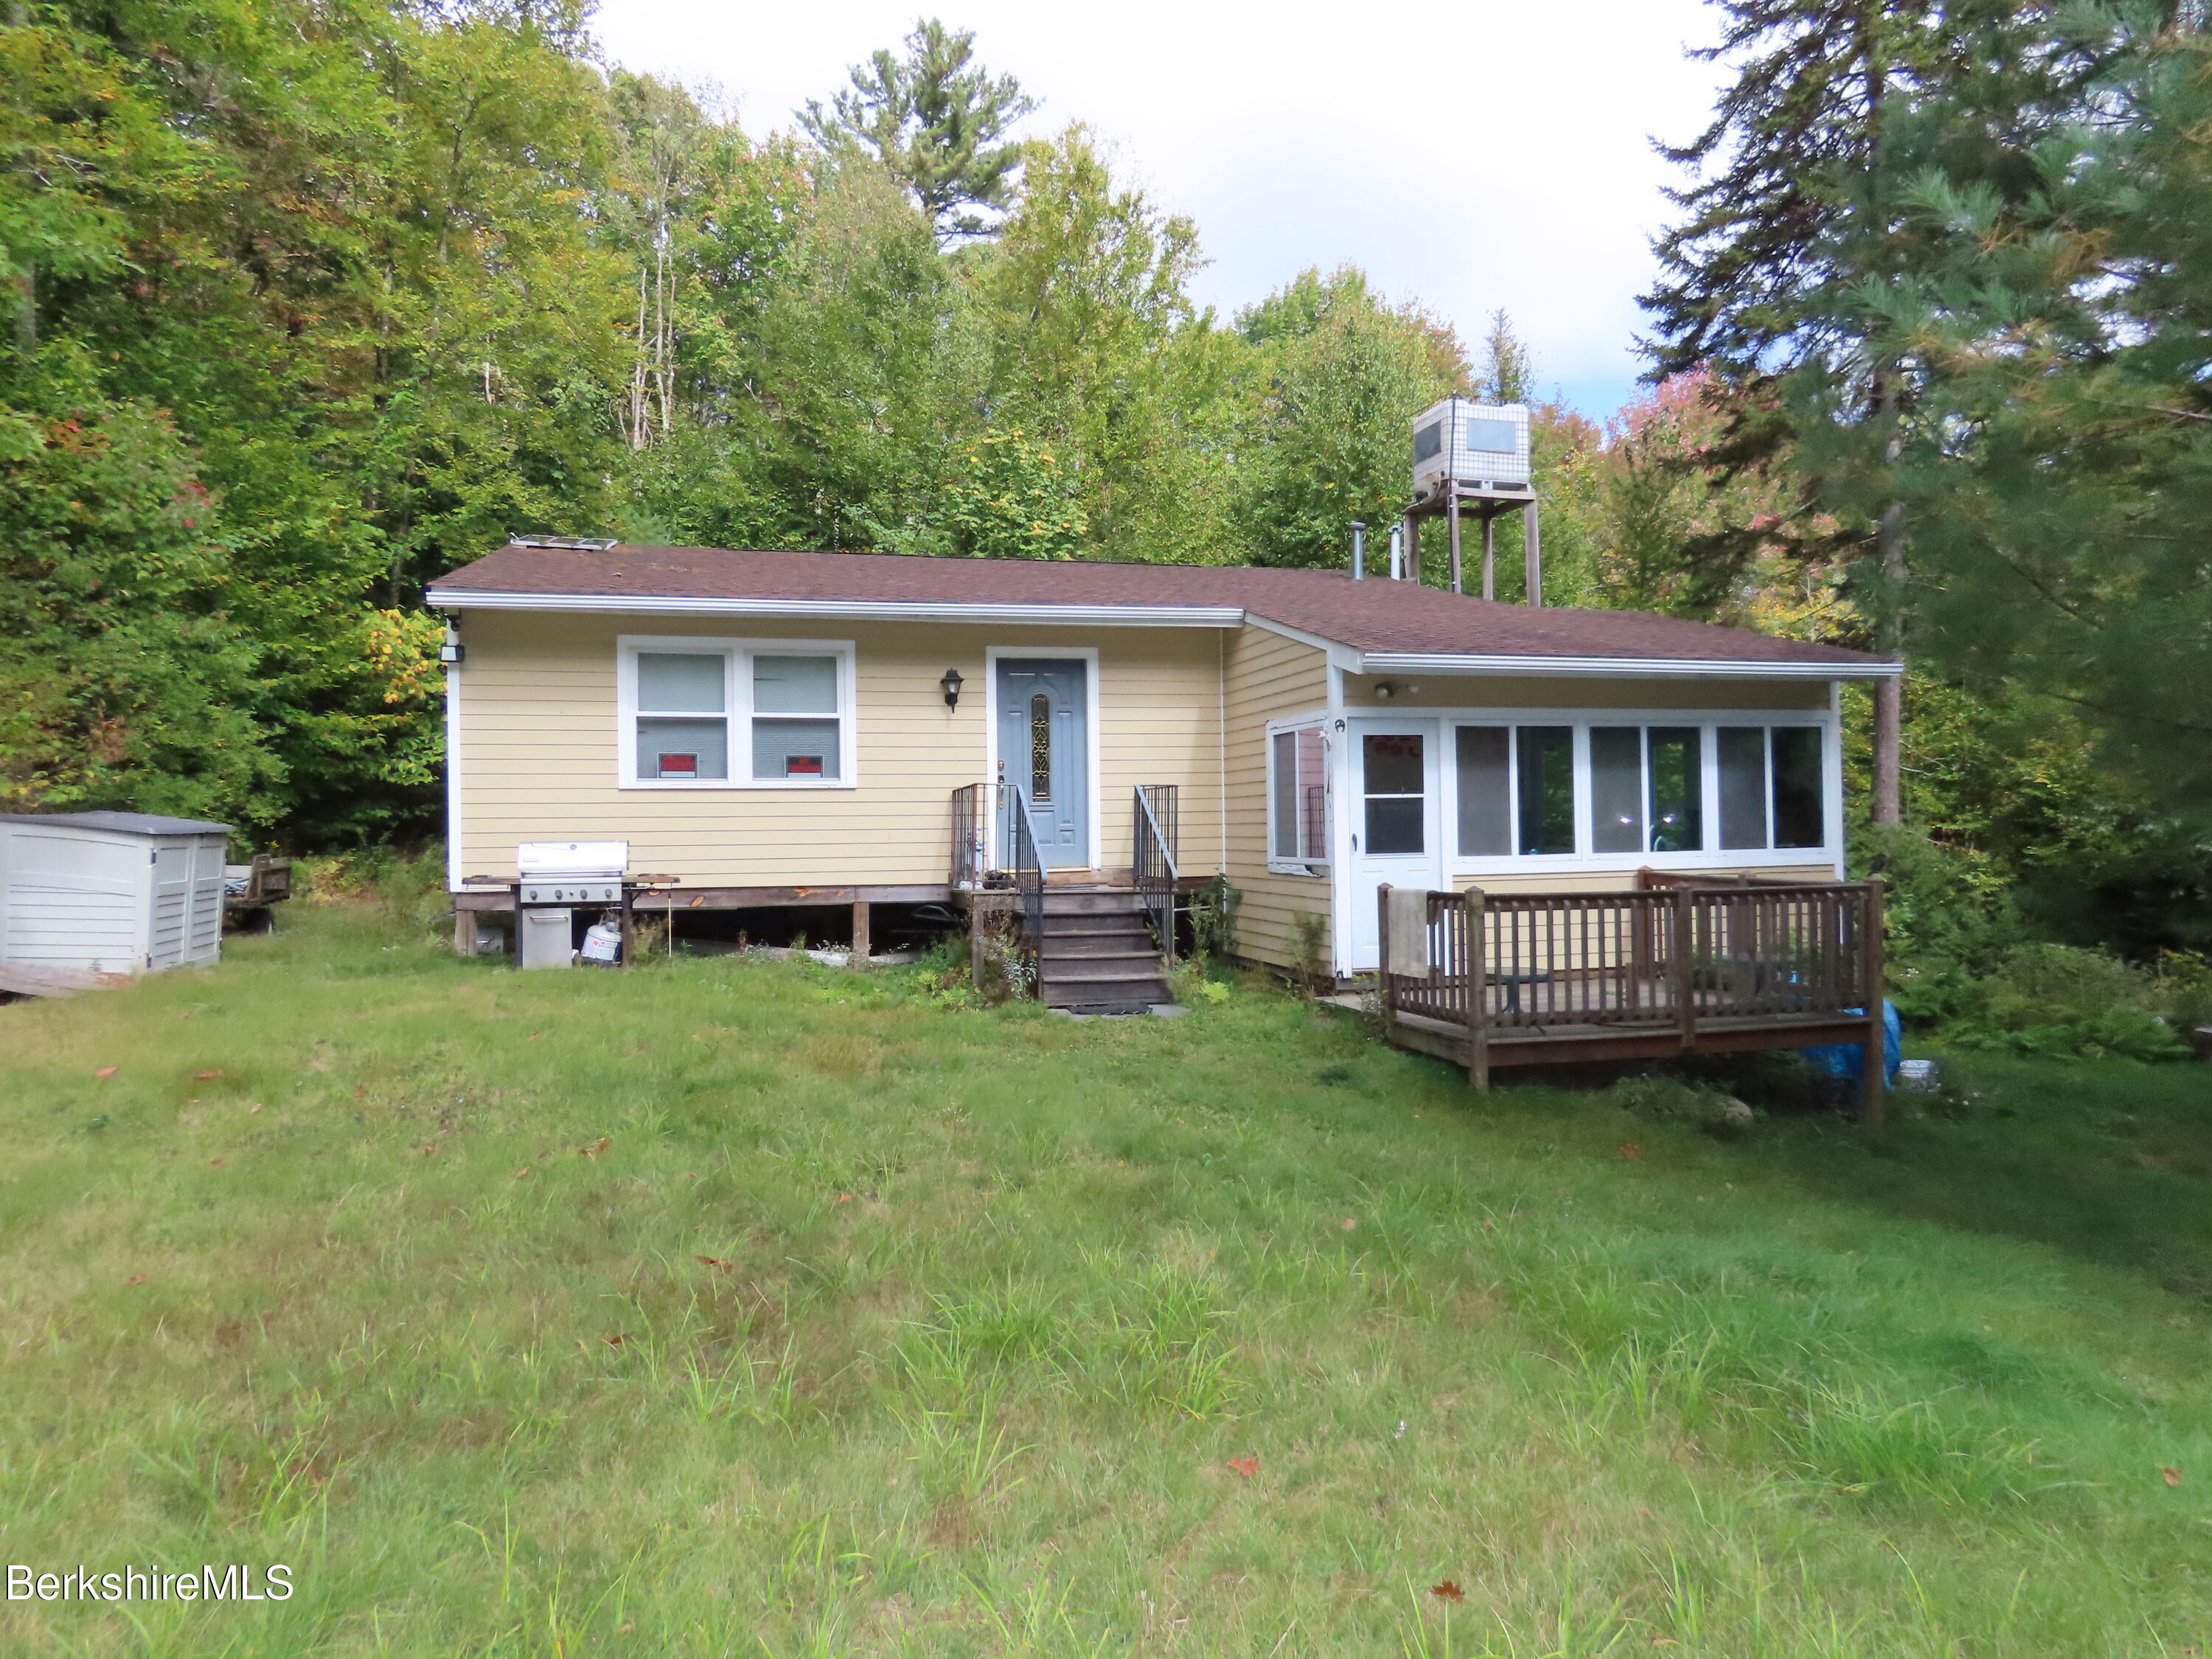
{"points": [[1397, 821]]}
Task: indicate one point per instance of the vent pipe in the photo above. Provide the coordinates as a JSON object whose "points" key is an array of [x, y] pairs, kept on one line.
{"points": [[1358, 549], [1397, 552]]}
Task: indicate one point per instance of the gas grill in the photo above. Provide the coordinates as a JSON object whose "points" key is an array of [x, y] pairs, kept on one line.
{"points": [[553, 879]]}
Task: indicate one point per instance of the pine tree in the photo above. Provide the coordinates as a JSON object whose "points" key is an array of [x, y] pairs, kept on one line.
{"points": [[936, 119], [1773, 280]]}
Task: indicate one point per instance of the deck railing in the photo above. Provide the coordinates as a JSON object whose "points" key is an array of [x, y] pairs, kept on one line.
{"points": [[1679, 956], [1157, 812]]}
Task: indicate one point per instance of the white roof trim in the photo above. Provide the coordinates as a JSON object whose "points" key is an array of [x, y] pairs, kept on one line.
{"points": [[1431, 662], [1109, 616], [1340, 656], [1158, 615]]}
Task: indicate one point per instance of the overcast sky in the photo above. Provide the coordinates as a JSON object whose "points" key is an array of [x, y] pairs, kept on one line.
{"points": [[1471, 154]]}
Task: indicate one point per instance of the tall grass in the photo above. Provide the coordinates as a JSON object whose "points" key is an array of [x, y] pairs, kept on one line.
{"points": [[762, 1308]]}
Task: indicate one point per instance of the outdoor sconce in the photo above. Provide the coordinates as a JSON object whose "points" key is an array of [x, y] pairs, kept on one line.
{"points": [[1389, 689], [951, 684], [452, 650]]}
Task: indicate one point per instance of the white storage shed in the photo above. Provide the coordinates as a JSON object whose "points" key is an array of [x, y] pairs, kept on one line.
{"points": [[113, 892]]}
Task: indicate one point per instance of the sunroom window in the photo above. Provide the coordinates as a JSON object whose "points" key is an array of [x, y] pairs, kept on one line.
{"points": [[1516, 789], [1771, 787], [1647, 789]]}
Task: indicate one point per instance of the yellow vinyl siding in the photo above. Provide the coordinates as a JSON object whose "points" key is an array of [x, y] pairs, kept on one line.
{"points": [[537, 749], [1266, 677]]}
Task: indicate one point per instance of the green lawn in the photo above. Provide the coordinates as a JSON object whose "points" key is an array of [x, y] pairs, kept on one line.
{"points": [[754, 1308]]}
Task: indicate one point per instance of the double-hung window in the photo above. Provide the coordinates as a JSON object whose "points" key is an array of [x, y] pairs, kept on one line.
{"points": [[1298, 798], [736, 713]]}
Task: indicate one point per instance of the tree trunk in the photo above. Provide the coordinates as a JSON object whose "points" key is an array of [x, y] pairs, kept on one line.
{"points": [[1889, 694]]}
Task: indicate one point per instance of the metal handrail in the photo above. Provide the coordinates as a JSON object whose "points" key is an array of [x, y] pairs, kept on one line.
{"points": [[970, 837], [1155, 862], [1027, 867]]}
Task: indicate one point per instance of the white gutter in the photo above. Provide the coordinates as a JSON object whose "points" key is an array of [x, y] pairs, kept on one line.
{"points": [[1111, 615], [1437, 662]]}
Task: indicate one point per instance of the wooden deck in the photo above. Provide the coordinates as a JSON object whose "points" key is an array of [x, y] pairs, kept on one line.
{"points": [[1679, 966]]}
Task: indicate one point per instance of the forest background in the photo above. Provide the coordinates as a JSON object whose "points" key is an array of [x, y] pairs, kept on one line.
{"points": [[311, 300]]}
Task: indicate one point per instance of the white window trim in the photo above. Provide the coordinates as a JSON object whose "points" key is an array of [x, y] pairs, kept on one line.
{"points": [[1457, 866], [738, 698], [1092, 697], [1277, 864]]}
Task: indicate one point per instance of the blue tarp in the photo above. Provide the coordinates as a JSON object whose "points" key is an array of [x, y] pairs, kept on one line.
{"points": [[1844, 1058]]}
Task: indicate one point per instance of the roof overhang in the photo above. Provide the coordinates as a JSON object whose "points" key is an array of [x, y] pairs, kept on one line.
{"points": [[1698, 668], [1054, 616]]}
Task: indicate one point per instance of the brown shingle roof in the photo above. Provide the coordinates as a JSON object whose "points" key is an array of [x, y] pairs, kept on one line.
{"points": [[1374, 617]]}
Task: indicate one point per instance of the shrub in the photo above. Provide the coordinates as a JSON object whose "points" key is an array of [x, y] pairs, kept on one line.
{"points": [[1665, 1098], [2058, 999]]}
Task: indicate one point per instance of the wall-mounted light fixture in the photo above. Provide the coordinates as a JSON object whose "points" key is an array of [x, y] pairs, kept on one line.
{"points": [[951, 684], [1386, 690], [452, 650]]}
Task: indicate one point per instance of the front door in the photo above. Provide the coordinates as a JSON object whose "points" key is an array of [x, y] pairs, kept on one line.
{"points": [[1044, 736], [1395, 823]]}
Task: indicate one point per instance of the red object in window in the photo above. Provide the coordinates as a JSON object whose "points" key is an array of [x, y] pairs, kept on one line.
{"points": [[802, 766], [680, 765]]}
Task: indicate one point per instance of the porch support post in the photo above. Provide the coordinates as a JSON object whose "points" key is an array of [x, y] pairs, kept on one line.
{"points": [[1488, 555], [976, 940], [1873, 1078], [1413, 548], [1532, 555], [1475, 964], [1685, 988], [859, 956], [465, 933], [1452, 510], [1382, 966]]}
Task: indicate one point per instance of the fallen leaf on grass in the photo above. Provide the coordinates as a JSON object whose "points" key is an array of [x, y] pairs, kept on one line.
{"points": [[107, 1070], [594, 1150], [135, 1278], [2172, 1475], [1247, 1467], [1448, 1591], [215, 1163], [205, 1076], [1349, 1224], [522, 1172], [1629, 1149], [617, 1339], [718, 1265], [844, 1198], [534, 1035], [429, 1147], [255, 1107]]}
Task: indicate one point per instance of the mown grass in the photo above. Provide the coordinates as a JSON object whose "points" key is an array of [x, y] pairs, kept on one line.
{"points": [[754, 1308]]}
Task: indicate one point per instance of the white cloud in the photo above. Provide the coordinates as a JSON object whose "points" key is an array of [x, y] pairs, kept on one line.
{"points": [[1473, 155]]}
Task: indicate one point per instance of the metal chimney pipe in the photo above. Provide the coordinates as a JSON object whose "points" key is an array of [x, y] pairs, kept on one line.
{"points": [[1358, 550], [1397, 552]]}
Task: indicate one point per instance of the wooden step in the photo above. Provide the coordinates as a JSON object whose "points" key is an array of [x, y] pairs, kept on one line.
{"points": [[1121, 901], [1062, 947]]}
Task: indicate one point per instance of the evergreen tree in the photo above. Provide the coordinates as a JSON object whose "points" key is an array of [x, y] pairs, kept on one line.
{"points": [[1773, 280], [937, 120]]}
